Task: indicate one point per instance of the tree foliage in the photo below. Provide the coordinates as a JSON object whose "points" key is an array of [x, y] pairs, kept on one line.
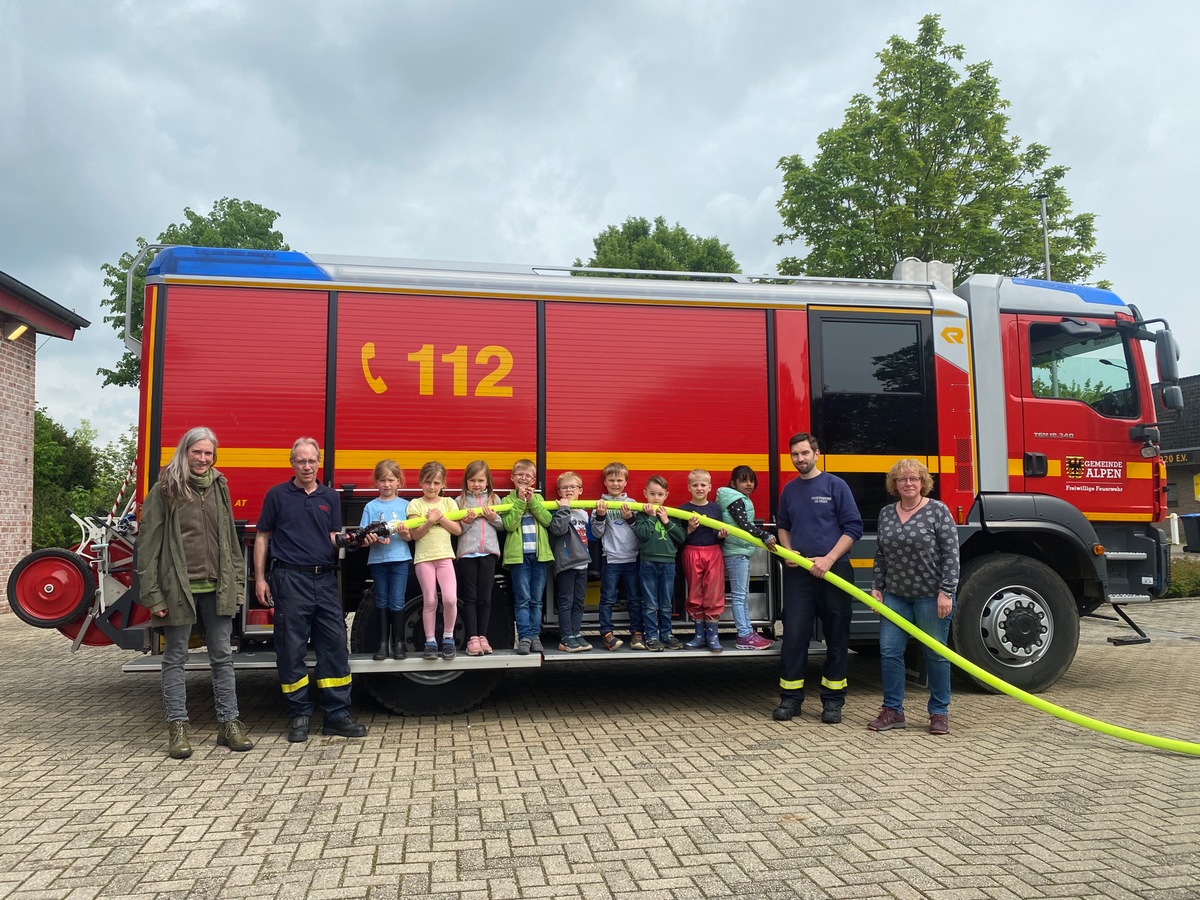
{"points": [[636, 244], [232, 223], [69, 473], [927, 168]]}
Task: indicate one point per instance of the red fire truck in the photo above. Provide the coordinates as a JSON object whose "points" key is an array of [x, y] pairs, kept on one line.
{"points": [[1028, 400]]}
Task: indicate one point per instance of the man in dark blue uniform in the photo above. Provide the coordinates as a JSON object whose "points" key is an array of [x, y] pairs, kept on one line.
{"points": [[819, 519], [298, 522]]}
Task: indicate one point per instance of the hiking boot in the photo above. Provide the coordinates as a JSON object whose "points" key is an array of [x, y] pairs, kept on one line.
{"points": [[431, 650], [611, 641], [672, 643], [346, 728], [753, 641], [939, 723], [535, 644], [233, 735], [654, 645], [178, 745], [298, 729], [831, 713], [637, 641], [523, 646], [788, 708], [887, 719]]}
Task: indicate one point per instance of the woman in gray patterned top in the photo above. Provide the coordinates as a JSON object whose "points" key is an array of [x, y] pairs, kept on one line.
{"points": [[916, 576]]}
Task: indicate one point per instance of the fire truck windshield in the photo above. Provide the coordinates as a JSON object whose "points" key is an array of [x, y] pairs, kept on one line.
{"points": [[1092, 369]]}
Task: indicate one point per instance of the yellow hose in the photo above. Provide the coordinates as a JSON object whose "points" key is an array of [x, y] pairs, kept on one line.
{"points": [[1150, 740]]}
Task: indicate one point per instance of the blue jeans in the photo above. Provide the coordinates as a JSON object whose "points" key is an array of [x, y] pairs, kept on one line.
{"points": [[893, 641], [626, 574], [658, 597], [391, 584], [529, 586], [737, 569]]}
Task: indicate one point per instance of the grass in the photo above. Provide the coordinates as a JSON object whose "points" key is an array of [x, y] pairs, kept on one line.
{"points": [[1185, 578]]}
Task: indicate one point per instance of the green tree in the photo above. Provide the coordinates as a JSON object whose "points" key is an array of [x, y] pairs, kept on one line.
{"points": [[638, 245], [232, 223], [69, 473], [64, 475], [927, 168]]}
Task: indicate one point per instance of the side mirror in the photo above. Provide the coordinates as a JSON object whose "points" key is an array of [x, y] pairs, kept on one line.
{"points": [[1166, 351], [1172, 396]]}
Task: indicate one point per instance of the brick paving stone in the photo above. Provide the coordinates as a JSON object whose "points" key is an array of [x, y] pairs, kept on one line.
{"points": [[602, 782]]}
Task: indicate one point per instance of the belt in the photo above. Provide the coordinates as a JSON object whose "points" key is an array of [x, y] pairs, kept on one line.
{"points": [[307, 570]]}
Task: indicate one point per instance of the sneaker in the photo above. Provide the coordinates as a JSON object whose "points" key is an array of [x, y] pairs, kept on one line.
{"points": [[569, 645], [523, 646], [788, 708], [939, 723], [484, 645], [654, 645], [178, 745], [447, 649], [887, 719], [753, 641], [233, 735], [637, 641], [431, 650], [584, 644], [473, 647], [672, 643], [611, 641], [535, 644]]}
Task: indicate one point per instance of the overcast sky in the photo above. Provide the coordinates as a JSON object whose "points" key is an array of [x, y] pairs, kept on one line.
{"points": [[515, 132]]}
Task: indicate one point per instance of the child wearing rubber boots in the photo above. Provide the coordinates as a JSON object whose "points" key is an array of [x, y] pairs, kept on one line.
{"points": [[703, 564]]}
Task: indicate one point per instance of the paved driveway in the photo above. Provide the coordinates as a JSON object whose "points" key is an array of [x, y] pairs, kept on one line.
{"points": [[601, 781]]}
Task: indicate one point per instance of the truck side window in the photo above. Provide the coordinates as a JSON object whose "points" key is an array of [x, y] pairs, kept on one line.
{"points": [[1092, 370]]}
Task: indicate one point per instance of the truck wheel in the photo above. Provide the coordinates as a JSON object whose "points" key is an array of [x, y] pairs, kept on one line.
{"points": [[50, 588], [1016, 618], [433, 693]]}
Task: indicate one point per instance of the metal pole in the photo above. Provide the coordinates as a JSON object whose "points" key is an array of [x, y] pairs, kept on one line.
{"points": [[1045, 234]]}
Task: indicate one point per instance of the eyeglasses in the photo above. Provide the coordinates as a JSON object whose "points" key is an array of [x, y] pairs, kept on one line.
{"points": [[305, 463], [909, 479]]}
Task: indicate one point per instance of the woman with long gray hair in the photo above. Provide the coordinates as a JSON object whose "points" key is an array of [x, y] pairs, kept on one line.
{"points": [[190, 566]]}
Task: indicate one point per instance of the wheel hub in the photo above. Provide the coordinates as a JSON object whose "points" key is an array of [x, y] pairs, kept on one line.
{"points": [[1017, 626]]}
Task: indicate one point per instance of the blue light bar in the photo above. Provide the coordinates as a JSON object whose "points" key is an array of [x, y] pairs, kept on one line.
{"points": [[1083, 291], [222, 262]]}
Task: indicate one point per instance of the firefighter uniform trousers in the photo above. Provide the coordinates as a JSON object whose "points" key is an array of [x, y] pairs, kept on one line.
{"points": [[806, 598], [308, 604]]}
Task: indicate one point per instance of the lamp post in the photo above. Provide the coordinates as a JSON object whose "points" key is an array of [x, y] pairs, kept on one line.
{"points": [[1045, 232]]}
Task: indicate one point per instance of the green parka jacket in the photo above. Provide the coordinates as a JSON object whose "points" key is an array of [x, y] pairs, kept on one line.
{"points": [[161, 563]]}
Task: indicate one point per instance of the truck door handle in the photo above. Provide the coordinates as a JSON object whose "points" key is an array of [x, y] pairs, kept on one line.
{"points": [[1035, 465]]}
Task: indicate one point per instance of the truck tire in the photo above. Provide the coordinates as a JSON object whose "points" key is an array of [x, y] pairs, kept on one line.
{"points": [[1015, 617], [51, 588], [436, 693]]}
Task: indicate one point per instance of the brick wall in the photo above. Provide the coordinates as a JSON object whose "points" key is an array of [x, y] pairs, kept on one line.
{"points": [[16, 453]]}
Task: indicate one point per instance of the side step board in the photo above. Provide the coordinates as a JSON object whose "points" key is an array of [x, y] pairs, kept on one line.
{"points": [[362, 664]]}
